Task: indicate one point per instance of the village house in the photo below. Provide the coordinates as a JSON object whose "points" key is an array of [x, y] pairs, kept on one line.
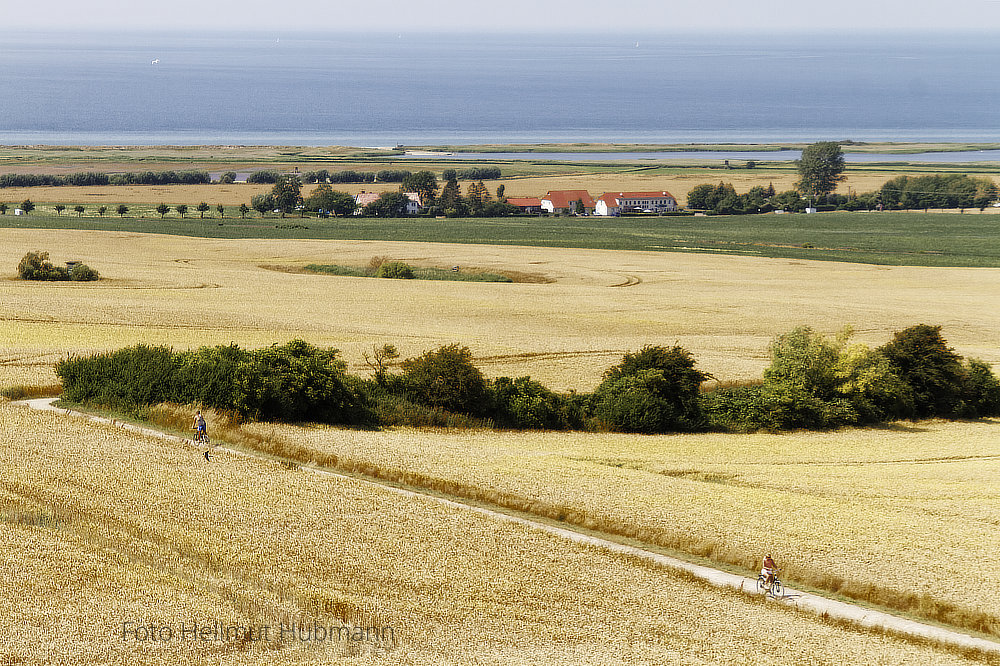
{"points": [[616, 203], [363, 198], [564, 201], [526, 204]]}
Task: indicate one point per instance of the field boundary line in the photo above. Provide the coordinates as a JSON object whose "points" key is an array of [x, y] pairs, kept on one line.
{"points": [[804, 601]]}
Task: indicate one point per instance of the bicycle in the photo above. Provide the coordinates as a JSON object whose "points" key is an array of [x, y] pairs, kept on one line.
{"points": [[774, 589], [201, 439]]}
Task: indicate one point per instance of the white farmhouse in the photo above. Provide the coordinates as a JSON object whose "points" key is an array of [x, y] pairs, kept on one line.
{"points": [[616, 203]]}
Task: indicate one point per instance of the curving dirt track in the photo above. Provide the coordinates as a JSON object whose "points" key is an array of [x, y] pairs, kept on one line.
{"points": [[801, 600]]}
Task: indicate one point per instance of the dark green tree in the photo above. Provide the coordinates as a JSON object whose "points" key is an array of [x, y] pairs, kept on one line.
{"points": [[202, 209], [181, 209], [447, 378], [388, 204], [287, 193], [821, 167], [59, 209], [27, 206], [922, 359], [221, 210], [162, 209], [122, 209], [78, 209], [423, 183], [263, 203], [244, 209], [326, 198], [102, 210]]}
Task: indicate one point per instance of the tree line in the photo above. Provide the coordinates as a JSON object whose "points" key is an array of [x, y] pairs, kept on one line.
{"points": [[88, 178], [812, 382], [821, 168]]}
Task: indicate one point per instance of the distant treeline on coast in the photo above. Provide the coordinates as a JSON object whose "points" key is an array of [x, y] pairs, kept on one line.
{"points": [[96, 178]]}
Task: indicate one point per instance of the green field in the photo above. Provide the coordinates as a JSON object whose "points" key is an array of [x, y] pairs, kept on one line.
{"points": [[896, 239]]}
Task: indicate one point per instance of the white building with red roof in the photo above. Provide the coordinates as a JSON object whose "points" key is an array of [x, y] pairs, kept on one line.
{"points": [[564, 201], [616, 203]]}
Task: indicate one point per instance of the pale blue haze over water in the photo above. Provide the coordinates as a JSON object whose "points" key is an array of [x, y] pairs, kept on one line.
{"points": [[377, 90]]}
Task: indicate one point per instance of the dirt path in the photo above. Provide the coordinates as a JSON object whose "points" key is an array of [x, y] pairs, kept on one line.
{"points": [[801, 600]]}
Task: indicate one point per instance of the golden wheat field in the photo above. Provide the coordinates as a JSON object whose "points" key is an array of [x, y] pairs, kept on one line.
{"points": [[903, 509], [188, 292], [139, 532], [907, 508]]}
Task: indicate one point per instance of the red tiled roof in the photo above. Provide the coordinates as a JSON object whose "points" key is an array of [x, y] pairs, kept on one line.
{"points": [[563, 198], [524, 202]]}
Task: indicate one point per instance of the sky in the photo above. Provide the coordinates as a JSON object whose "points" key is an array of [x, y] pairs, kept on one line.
{"points": [[508, 16], [619, 16]]}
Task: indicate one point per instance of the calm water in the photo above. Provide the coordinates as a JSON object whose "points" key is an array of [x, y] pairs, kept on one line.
{"points": [[427, 89], [717, 155]]}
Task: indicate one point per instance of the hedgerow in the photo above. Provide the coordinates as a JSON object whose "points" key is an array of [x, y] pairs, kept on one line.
{"points": [[812, 382]]}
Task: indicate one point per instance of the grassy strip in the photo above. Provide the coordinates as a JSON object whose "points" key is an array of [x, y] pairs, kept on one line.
{"points": [[25, 392], [226, 428], [894, 239], [418, 273]]}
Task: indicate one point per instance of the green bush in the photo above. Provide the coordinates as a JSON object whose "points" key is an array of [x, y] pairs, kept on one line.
{"points": [[83, 273], [982, 390], [660, 380], [36, 266], [526, 403], [932, 369], [292, 382], [395, 269], [773, 407], [446, 378]]}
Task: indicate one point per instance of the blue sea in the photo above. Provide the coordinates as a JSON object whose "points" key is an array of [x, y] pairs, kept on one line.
{"points": [[414, 89]]}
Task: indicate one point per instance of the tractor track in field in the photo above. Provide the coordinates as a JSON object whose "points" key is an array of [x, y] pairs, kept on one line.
{"points": [[804, 601]]}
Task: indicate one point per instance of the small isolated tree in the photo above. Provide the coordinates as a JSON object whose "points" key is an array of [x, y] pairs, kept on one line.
{"points": [[500, 190], [244, 209], [202, 209], [27, 206], [3, 209], [821, 167], [162, 209], [379, 360], [59, 209], [102, 210], [181, 209], [221, 210], [79, 210], [122, 209]]}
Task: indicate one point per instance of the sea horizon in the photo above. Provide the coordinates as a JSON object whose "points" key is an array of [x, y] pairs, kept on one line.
{"points": [[384, 89]]}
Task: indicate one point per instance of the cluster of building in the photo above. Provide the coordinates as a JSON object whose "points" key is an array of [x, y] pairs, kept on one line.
{"points": [[609, 204], [572, 202]]}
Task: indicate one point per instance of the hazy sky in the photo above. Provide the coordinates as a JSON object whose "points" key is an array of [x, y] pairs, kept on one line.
{"points": [[620, 16]]}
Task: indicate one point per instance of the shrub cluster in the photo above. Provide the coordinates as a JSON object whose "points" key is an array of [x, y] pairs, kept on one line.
{"points": [[815, 382], [292, 382], [36, 266], [812, 382]]}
